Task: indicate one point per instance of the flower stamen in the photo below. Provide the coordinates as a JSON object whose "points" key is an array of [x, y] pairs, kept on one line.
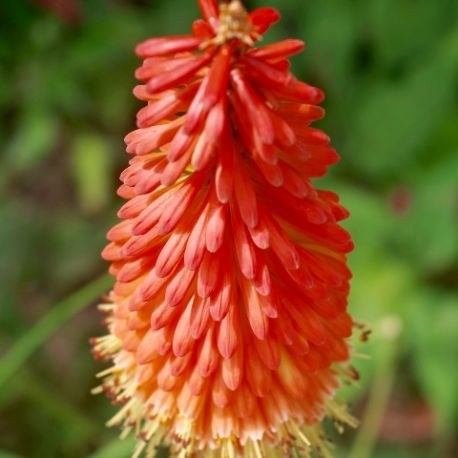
{"points": [[234, 24]]}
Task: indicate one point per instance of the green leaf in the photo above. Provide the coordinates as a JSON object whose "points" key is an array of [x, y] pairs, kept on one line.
{"points": [[91, 168], [34, 138], [394, 23], [433, 342], [370, 222], [332, 29], [394, 120], [26, 345], [428, 232], [118, 448]]}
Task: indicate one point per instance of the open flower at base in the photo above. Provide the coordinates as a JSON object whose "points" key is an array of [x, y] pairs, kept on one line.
{"points": [[227, 323]]}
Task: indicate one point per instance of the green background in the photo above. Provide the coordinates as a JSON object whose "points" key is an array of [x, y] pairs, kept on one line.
{"points": [[389, 68]]}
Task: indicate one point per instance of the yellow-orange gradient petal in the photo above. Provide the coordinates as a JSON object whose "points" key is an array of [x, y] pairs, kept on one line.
{"points": [[228, 320]]}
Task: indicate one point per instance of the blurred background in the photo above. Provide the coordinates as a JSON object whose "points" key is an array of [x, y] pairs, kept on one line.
{"points": [[389, 68]]}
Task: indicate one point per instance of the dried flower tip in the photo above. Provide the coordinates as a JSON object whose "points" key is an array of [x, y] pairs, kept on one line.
{"points": [[233, 24]]}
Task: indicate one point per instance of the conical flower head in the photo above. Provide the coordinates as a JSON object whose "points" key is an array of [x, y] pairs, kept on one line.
{"points": [[227, 322]]}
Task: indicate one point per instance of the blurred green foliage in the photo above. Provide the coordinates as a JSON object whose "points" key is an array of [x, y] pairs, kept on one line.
{"points": [[389, 68]]}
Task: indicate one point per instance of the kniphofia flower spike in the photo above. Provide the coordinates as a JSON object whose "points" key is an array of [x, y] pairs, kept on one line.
{"points": [[227, 322]]}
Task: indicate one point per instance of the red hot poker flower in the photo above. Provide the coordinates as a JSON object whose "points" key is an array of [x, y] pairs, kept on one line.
{"points": [[228, 319]]}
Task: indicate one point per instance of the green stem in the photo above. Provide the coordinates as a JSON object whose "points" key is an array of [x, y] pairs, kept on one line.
{"points": [[379, 396], [5, 454], [26, 345], [116, 449]]}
